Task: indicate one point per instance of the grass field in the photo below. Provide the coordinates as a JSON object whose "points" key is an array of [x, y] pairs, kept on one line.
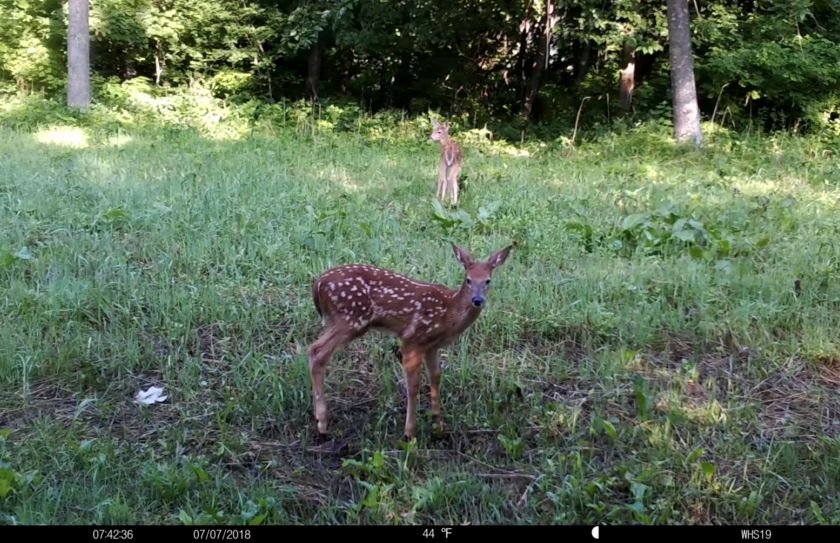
{"points": [[661, 347]]}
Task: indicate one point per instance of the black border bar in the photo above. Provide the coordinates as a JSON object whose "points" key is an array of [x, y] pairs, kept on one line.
{"points": [[430, 534]]}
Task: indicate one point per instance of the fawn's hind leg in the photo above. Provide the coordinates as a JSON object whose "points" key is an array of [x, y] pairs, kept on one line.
{"points": [[441, 190], [454, 190], [454, 172], [320, 352]]}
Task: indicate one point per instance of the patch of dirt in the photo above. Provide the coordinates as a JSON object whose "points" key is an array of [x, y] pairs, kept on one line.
{"points": [[697, 394], [159, 346], [47, 396], [56, 402], [829, 372], [208, 344], [567, 393], [570, 340], [716, 367], [675, 348], [799, 402], [211, 345], [574, 351], [726, 373]]}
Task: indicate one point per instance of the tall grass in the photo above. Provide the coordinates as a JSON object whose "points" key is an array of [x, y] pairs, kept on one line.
{"points": [[661, 347]]}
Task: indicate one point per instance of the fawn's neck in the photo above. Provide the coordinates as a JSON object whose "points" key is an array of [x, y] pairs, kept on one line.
{"points": [[462, 311]]}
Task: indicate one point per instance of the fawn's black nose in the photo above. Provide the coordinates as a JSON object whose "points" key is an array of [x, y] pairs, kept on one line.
{"points": [[478, 301]]}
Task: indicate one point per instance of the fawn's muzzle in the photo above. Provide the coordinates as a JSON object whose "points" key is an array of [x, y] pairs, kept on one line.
{"points": [[478, 301]]}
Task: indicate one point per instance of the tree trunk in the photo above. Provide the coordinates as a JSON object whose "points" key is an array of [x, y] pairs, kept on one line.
{"points": [[158, 63], [78, 55], [628, 78], [541, 62], [314, 70], [526, 29], [686, 111]]}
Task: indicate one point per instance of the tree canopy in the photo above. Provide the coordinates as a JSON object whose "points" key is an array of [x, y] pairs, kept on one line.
{"points": [[772, 63]]}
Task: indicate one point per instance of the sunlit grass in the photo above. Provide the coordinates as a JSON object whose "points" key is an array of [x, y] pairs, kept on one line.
{"points": [[65, 136]]}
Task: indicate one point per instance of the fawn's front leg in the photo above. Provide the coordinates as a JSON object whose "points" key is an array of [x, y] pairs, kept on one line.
{"points": [[412, 363], [433, 365]]}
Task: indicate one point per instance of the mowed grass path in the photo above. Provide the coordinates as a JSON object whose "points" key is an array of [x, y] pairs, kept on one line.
{"points": [[661, 347]]}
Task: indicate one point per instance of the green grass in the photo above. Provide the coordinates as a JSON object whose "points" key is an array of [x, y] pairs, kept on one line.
{"points": [[646, 355]]}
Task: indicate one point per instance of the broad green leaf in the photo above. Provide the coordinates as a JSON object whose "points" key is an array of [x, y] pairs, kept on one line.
{"points": [[609, 429], [708, 470], [695, 454]]}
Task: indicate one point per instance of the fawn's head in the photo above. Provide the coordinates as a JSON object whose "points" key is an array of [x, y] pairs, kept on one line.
{"points": [[439, 131], [478, 276]]}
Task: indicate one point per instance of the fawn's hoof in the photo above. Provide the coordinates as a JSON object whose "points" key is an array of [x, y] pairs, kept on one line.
{"points": [[322, 438]]}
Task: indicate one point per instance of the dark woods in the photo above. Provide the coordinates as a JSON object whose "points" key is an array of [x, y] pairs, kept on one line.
{"points": [[772, 64]]}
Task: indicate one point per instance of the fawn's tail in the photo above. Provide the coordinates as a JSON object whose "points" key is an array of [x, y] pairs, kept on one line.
{"points": [[315, 298]]}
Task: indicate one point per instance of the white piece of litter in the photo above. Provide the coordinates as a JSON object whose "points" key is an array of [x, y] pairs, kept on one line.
{"points": [[150, 396]]}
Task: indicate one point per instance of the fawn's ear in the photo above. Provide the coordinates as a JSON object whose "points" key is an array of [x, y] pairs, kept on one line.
{"points": [[499, 258], [435, 123], [463, 256]]}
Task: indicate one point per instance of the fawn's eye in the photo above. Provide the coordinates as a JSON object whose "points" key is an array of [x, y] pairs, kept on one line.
{"points": [[487, 282], [469, 281]]}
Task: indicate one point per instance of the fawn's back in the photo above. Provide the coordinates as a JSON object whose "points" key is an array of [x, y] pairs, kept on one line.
{"points": [[362, 297], [451, 154]]}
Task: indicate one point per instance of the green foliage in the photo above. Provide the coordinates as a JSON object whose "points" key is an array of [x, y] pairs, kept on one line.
{"points": [[779, 63], [31, 43], [767, 65]]}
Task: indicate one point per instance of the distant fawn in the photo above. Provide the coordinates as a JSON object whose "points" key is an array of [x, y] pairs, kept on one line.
{"points": [[451, 161], [353, 299]]}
